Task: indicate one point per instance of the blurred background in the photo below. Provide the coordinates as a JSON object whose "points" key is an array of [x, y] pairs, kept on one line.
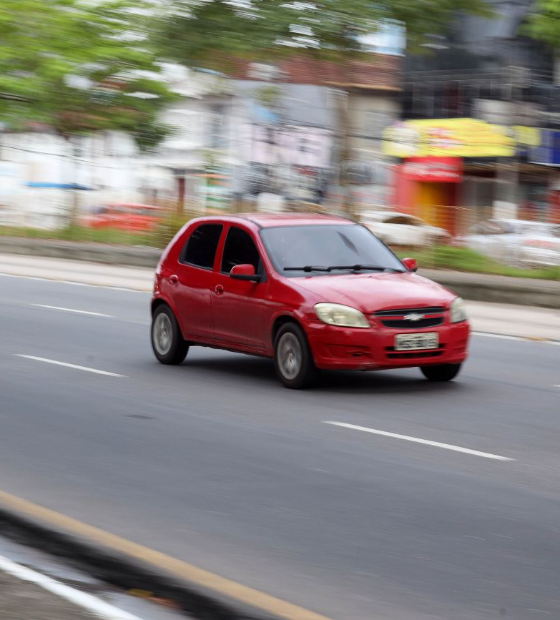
{"points": [[440, 132], [436, 123]]}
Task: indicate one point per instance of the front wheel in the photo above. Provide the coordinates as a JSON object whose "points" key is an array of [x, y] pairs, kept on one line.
{"points": [[292, 357], [167, 341], [442, 372]]}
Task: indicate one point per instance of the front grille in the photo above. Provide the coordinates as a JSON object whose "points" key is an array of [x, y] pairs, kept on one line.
{"points": [[403, 311], [396, 318], [404, 324]]}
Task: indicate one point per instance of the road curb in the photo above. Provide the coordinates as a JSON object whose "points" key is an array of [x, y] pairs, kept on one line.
{"points": [[121, 571]]}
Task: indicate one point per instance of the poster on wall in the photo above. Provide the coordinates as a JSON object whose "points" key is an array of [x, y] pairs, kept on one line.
{"points": [[308, 147], [450, 137], [434, 169]]}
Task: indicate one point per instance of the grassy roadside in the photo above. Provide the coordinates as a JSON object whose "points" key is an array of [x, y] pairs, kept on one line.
{"points": [[438, 257], [463, 259], [78, 233], [159, 238]]}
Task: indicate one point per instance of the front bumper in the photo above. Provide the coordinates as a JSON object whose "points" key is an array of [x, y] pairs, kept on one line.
{"points": [[373, 349]]}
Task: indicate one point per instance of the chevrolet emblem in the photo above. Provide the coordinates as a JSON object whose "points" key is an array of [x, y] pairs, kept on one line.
{"points": [[413, 317]]}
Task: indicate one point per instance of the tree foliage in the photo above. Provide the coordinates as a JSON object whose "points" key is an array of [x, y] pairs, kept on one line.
{"points": [[78, 66], [209, 32], [544, 23]]}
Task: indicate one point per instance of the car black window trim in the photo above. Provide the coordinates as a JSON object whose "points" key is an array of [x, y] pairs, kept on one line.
{"points": [[259, 267], [184, 252]]}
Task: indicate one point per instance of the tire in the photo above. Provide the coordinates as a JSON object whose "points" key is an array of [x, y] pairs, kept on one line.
{"points": [[443, 372], [167, 341], [293, 360]]}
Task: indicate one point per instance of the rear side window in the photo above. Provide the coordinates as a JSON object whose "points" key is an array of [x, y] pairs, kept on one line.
{"points": [[201, 247], [240, 249]]}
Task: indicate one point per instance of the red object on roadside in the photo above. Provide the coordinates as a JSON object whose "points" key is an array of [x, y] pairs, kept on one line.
{"points": [[130, 217]]}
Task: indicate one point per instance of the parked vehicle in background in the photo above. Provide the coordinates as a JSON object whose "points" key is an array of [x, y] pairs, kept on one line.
{"points": [[513, 242], [309, 291], [130, 217], [401, 229]]}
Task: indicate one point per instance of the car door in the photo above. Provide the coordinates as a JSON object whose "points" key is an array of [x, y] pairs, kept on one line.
{"points": [[193, 281], [239, 307]]}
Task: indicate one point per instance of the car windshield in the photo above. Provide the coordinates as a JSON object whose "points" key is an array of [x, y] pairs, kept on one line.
{"points": [[299, 251]]}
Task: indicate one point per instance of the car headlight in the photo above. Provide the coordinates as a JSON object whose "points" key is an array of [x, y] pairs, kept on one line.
{"points": [[341, 316], [458, 311]]}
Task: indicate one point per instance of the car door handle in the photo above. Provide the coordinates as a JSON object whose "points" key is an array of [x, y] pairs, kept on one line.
{"points": [[219, 289], [174, 279]]}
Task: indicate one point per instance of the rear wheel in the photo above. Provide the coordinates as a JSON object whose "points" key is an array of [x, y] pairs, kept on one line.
{"points": [[292, 357], [167, 341], [442, 372]]}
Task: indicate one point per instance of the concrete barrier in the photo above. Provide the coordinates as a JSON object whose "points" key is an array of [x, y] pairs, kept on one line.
{"points": [[473, 286], [498, 289], [134, 256]]}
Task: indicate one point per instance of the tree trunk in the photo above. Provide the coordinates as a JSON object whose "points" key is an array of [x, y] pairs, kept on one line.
{"points": [[75, 203], [181, 186], [345, 151]]}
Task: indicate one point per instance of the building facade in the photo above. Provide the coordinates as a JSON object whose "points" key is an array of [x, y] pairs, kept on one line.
{"points": [[485, 70]]}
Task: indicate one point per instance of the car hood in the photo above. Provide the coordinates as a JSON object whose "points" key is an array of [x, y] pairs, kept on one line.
{"points": [[379, 291]]}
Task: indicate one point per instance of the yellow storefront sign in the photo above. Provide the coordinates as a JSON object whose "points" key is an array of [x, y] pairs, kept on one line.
{"points": [[450, 137]]}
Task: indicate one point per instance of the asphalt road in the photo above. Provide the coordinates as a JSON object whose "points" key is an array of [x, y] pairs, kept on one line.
{"points": [[214, 463]]}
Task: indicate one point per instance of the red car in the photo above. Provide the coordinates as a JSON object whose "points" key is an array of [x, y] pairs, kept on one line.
{"points": [[310, 291]]}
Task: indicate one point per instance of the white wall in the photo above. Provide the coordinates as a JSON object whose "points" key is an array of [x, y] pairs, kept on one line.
{"points": [[107, 163]]}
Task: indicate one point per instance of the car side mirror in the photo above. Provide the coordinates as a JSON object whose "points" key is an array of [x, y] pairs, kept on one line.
{"points": [[411, 264], [244, 272]]}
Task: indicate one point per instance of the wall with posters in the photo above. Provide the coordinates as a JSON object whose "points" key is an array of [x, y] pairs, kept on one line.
{"points": [[272, 145], [454, 137]]}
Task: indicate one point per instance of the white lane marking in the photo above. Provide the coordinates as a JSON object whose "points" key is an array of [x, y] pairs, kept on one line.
{"points": [[81, 599], [76, 367], [521, 338], [109, 316], [426, 442]]}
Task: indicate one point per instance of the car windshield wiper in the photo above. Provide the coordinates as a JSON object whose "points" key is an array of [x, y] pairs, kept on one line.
{"points": [[307, 268], [310, 268], [362, 268]]}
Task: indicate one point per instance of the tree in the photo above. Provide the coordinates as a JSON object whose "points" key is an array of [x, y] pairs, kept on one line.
{"points": [[544, 23], [210, 33], [77, 66]]}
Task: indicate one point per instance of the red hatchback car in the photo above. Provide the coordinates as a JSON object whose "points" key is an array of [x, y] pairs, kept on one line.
{"points": [[310, 291]]}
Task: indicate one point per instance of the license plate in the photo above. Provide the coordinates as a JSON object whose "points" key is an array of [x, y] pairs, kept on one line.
{"points": [[414, 342]]}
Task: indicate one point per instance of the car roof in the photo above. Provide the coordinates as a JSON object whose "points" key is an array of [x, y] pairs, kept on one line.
{"points": [[385, 215], [271, 220], [518, 222]]}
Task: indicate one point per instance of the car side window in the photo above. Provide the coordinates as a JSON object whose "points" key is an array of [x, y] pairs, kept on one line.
{"points": [[201, 246], [240, 249]]}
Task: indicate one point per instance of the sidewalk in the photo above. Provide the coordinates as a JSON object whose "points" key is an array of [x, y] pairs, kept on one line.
{"points": [[495, 318], [510, 320], [23, 600], [96, 274]]}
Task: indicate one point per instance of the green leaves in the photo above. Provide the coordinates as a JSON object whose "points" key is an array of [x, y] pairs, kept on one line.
{"points": [[73, 64], [544, 23], [208, 32]]}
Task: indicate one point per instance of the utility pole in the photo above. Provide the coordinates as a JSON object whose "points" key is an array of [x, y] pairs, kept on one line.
{"points": [[507, 177]]}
